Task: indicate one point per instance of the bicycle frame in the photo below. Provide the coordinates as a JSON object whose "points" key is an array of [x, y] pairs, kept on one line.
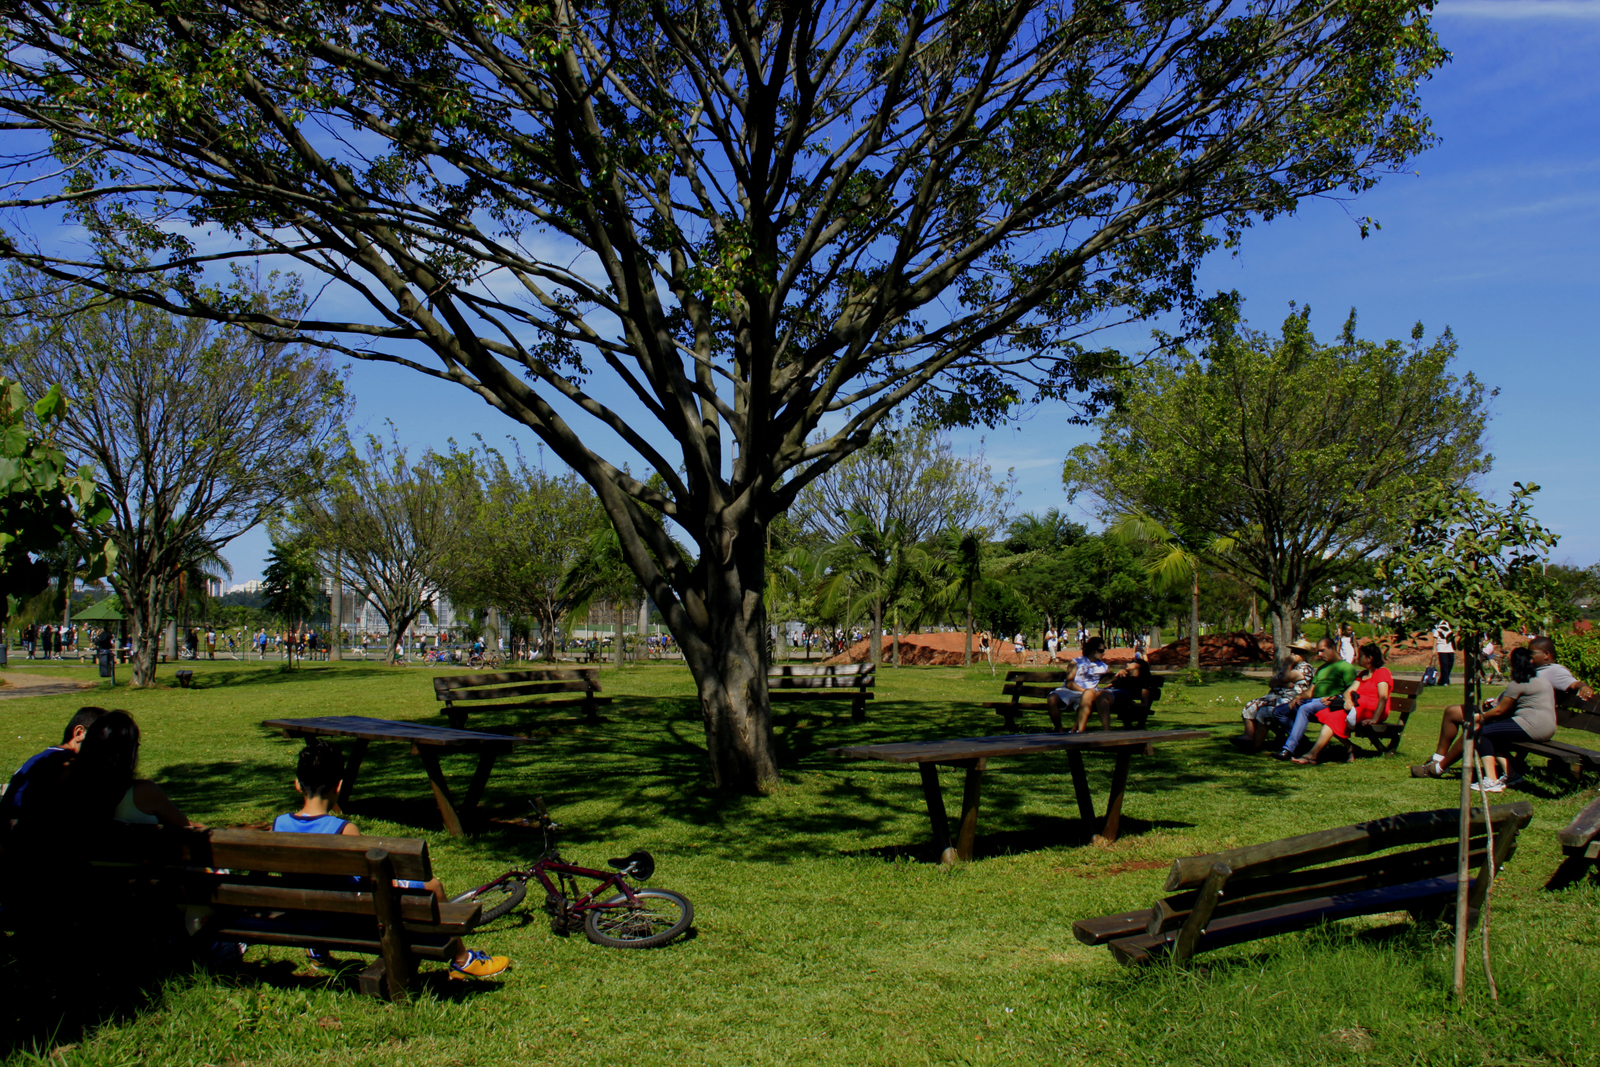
{"points": [[556, 865]]}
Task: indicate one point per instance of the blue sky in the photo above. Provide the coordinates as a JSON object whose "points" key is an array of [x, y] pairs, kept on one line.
{"points": [[1496, 235]]}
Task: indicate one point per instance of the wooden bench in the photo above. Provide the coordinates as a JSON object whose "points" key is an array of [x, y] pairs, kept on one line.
{"points": [[1278, 887], [1385, 735], [788, 684], [1029, 690], [294, 890], [1559, 755], [522, 689]]}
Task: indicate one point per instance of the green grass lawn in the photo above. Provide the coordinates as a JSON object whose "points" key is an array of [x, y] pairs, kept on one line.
{"points": [[823, 932]]}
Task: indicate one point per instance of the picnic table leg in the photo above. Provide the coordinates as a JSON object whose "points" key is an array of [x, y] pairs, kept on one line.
{"points": [[936, 814], [1119, 782], [480, 778], [441, 790], [970, 794], [352, 767], [1080, 786]]}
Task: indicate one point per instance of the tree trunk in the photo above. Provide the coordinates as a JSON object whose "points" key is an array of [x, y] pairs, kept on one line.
{"points": [[336, 610], [895, 629], [1284, 606], [616, 635], [875, 639], [966, 656], [143, 611], [547, 635], [727, 657], [1194, 622], [644, 625]]}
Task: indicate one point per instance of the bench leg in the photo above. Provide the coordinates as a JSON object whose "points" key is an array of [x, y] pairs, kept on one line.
{"points": [[480, 778], [441, 790], [936, 814], [858, 708], [971, 793], [1011, 721], [352, 767], [374, 979], [398, 963], [591, 715], [1080, 786], [1119, 782], [457, 716]]}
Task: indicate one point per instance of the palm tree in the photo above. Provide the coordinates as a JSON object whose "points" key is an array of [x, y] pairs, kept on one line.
{"points": [[1181, 552], [292, 584], [599, 572]]}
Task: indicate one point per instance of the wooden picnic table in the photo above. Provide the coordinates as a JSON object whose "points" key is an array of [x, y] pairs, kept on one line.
{"points": [[974, 753], [427, 743]]}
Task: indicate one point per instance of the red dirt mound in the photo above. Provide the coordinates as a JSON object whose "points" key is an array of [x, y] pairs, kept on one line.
{"points": [[1217, 650], [945, 650]]}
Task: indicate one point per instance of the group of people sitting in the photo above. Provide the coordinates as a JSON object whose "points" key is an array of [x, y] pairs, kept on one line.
{"points": [[90, 780], [1127, 693], [1317, 685]]}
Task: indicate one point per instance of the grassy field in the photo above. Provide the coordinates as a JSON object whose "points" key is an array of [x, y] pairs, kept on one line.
{"points": [[824, 933]]}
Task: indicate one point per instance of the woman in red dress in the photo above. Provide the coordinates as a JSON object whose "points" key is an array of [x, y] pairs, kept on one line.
{"points": [[1365, 701]]}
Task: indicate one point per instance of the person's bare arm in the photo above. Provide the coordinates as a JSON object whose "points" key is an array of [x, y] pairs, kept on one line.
{"points": [[350, 828], [153, 800], [1505, 706]]}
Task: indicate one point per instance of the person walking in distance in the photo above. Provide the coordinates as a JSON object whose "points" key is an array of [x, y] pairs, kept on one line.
{"points": [[1445, 651]]}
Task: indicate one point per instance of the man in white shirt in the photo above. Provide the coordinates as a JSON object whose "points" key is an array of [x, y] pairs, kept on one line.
{"points": [[1446, 651]]}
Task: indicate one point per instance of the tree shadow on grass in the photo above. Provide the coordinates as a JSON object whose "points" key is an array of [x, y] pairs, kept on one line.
{"points": [[278, 675]]}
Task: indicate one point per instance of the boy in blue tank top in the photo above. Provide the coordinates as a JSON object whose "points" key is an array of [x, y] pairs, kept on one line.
{"points": [[319, 774]]}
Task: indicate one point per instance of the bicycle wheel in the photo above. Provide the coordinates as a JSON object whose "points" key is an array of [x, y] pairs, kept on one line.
{"points": [[496, 899], [659, 916]]}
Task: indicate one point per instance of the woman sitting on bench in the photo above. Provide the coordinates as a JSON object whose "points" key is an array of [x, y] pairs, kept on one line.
{"points": [[1524, 711]]}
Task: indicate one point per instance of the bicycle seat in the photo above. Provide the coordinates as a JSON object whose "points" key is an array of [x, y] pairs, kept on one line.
{"points": [[643, 864]]}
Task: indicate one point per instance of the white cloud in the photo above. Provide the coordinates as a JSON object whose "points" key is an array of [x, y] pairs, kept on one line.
{"points": [[1520, 9]]}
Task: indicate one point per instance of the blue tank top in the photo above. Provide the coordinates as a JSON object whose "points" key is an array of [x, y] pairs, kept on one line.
{"points": [[295, 823]]}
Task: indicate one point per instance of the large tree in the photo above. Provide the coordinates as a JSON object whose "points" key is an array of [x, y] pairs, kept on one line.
{"points": [[707, 231], [1278, 458], [197, 432]]}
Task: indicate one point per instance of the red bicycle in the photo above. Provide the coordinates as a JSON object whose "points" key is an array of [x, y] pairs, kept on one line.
{"points": [[627, 918]]}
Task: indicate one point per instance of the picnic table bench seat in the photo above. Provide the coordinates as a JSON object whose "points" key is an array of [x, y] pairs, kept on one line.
{"points": [[1580, 839], [1385, 736], [1244, 894], [297, 890], [520, 689], [1575, 714], [790, 683]]}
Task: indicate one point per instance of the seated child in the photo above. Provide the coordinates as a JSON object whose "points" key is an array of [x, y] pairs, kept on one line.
{"points": [[1132, 689], [319, 775]]}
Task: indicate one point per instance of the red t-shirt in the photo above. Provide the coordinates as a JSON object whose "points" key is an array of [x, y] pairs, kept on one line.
{"points": [[1367, 695]]}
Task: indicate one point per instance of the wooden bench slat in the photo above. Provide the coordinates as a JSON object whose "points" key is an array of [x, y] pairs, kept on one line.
{"points": [[414, 907], [1582, 829], [1237, 929], [504, 692], [450, 681], [777, 696], [855, 682], [1257, 894], [1325, 846], [833, 670]]}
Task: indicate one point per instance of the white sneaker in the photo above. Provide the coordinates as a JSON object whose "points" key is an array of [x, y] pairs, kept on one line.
{"points": [[1488, 785]]}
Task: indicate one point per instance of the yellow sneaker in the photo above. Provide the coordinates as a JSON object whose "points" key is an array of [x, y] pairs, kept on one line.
{"points": [[479, 964]]}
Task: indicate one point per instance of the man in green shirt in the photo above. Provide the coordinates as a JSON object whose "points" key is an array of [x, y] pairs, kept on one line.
{"points": [[1333, 677]]}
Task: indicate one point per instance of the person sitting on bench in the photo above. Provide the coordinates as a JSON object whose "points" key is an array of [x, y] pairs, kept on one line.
{"points": [[1083, 691], [1133, 690], [1332, 678], [1284, 686], [36, 784], [319, 775], [101, 783], [1524, 711], [1542, 653], [1367, 700]]}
